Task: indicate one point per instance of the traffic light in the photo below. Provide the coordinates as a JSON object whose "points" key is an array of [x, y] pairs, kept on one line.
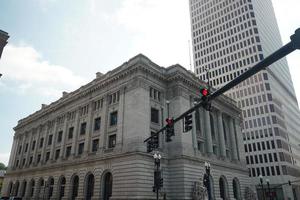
{"points": [[169, 129], [204, 92], [152, 143], [155, 141], [188, 122], [149, 146], [161, 182]]}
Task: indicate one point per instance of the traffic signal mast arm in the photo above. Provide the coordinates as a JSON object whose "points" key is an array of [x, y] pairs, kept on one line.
{"points": [[280, 53]]}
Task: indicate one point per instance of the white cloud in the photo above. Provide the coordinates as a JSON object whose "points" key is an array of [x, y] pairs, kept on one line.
{"points": [[25, 71], [159, 29]]}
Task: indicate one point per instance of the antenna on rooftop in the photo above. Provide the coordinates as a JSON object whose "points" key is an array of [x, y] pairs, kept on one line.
{"points": [[190, 58]]}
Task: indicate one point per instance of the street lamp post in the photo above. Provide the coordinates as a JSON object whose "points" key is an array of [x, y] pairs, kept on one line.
{"points": [[269, 191], [168, 109], [262, 186], [157, 172], [206, 180]]}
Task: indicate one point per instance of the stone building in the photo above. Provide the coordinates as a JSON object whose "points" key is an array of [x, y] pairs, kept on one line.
{"points": [[89, 143]]}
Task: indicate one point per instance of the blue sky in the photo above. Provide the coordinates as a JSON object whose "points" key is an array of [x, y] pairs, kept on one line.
{"points": [[59, 45]]}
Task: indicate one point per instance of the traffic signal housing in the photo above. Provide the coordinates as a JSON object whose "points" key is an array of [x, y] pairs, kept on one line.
{"points": [[153, 143], [188, 122], [169, 129], [204, 92]]}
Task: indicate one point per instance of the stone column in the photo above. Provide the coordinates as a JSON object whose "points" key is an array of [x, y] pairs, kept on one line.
{"points": [[52, 150], [22, 150], [47, 124], [194, 129], [75, 133], [221, 135], [37, 144], [29, 147], [64, 136], [121, 118], [238, 135], [207, 130], [89, 130], [232, 139]]}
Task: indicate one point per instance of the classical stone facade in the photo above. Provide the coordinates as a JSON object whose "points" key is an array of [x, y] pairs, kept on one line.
{"points": [[89, 143]]}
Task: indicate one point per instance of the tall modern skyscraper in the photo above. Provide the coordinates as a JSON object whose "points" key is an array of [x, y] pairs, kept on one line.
{"points": [[229, 37]]}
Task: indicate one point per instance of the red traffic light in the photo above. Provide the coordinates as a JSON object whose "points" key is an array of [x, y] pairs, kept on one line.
{"points": [[204, 92], [170, 121]]}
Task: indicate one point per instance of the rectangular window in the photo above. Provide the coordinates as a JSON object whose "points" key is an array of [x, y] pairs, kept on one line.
{"points": [[26, 147], [57, 152], [50, 139], [83, 128], [68, 151], [33, 145], [113, 118], [275, 157], [80, 148], [154, 115], [273, 171], [95, 145], [20, 149], [47, 156], [70, 134], [277, 170], [97, 124], [41, 142], [30, 160], [59, 137], [112, 141], [38, 158]]}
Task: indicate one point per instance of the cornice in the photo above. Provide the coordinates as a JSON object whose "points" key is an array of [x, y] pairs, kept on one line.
{"points": [[138, 64]]}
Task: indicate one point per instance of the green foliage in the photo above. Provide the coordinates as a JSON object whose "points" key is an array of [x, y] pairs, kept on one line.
{"points": [[2, 166]]}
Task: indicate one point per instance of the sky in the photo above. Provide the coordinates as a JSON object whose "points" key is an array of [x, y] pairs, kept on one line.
{"points": [[59, 45]]}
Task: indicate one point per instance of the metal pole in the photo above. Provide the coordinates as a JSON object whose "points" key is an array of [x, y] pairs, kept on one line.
{"points": [[270, 196], [168, 109], [208, 188], [277, 55], [263, 191], [157, 186]]}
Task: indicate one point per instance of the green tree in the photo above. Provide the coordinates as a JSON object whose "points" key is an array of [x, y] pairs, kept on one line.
{"points": [[2, 166]]}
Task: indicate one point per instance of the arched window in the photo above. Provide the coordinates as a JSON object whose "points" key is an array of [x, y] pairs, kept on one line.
{"points": [[74, 187], [107, 185], [10, 188], [61, 187], [212, 127], [236, 189], [223, 188], [41, 188], [89, 187], [16, 189], [50, 187], [23, 188], [32, 186]]}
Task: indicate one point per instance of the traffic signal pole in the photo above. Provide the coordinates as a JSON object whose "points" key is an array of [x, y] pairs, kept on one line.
{"points": [[280, 53]]}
